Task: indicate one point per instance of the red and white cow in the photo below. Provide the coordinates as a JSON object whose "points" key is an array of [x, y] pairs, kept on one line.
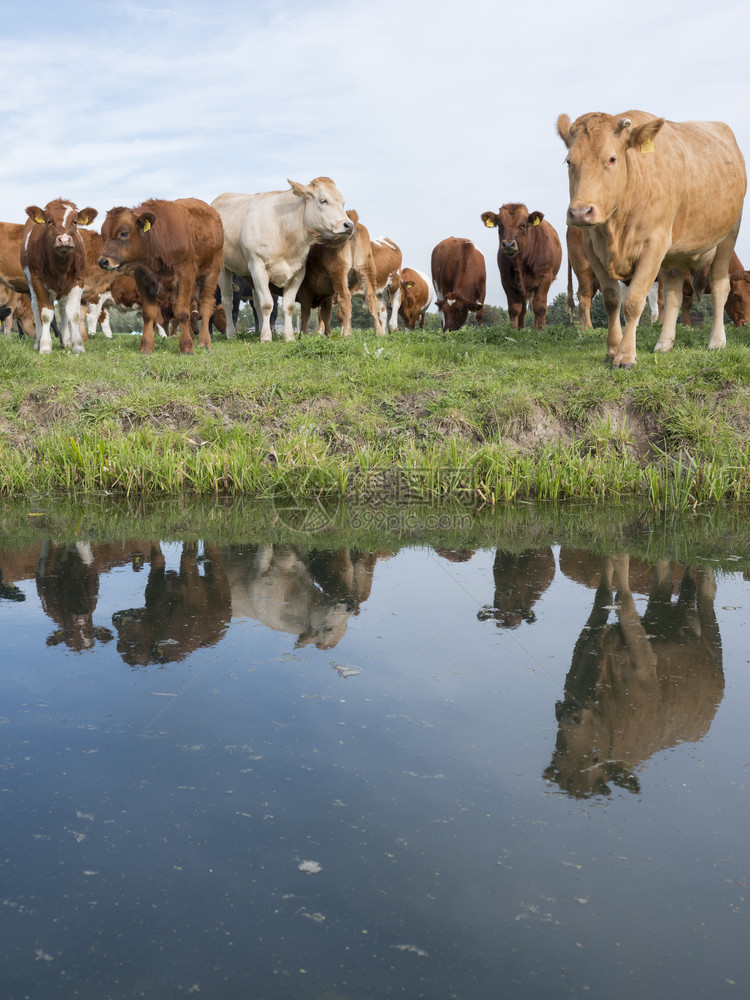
{"points": [[268, 236], [416, 297], [53, 258], [386, 257], [460, 279], [173, 249]]}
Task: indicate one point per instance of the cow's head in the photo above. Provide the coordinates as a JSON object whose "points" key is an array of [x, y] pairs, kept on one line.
{"points": [[123, 232], [454, 310], [738, 300], [325, 215], [61, 220], [513, 223], [600, 148]]}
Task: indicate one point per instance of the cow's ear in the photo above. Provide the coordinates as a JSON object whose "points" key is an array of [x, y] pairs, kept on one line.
{"points": [[642, 138], [489, 219], [440, 304], [564, 130], [535, 218], [145, 221], [86, 216], [353, 216], [301, 190], [36, 214]]}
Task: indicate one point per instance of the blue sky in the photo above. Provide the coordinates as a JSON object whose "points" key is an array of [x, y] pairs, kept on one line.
{"points": [[424, 113]]}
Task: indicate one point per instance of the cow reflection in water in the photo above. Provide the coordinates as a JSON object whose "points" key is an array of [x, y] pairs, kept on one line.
{"points": [[311, 595], [641, 685], [520, 580], [184, 610], [67, 581]]}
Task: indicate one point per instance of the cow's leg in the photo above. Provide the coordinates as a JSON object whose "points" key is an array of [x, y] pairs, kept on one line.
{"points": [[225, 287], [719, 279], [653, 301], [539, 305], [372, 303], [480, 316], [516, 312], [104, 323], [382, 309], [207, 301], [586, 292], [395, 304], [325, 313], [612, 296], [305, 308], [673, 287], [150, 311], [182, 316], [70, 307]]}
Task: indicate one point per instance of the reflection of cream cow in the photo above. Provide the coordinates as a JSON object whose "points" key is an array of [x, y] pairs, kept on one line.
{"points": [[311, 596], [641, 685]]}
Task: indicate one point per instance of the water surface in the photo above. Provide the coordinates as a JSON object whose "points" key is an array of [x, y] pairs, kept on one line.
{"points": [[260, 769]]}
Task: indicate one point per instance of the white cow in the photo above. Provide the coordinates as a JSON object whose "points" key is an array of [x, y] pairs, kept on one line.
{"points": [[267, 238]]}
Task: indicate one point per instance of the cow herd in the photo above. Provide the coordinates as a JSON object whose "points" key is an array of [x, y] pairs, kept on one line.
{"points": [[650, 200]]}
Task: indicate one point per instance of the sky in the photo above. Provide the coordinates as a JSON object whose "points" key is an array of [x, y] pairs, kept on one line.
{"points": [[424, 113]]}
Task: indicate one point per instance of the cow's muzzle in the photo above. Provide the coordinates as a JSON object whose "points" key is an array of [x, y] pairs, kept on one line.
{"points": [[107, 264], [581, 215]]}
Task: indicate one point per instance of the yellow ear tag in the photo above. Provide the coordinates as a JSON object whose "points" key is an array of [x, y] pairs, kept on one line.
{"points": [[489, 223], [536, 221], [39, 222], [146, 226], [647, 146]]}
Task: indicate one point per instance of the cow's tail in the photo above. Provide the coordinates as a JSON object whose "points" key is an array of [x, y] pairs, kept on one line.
{"points": [[571, 302]]}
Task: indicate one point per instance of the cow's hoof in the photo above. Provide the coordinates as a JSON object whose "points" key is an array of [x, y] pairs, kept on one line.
{"points": [[79, 350]]}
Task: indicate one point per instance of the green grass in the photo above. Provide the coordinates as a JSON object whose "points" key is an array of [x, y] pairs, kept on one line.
{"points": [[492, 413]]}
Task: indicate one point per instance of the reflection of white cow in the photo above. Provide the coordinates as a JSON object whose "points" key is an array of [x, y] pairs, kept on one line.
{"points": [[310, 596]]}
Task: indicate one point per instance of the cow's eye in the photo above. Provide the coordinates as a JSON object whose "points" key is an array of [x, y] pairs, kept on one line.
{"points": [[323, 201], [612, 159]]}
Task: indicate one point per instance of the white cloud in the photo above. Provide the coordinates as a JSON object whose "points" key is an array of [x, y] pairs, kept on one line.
{"points": [[425, 114]]}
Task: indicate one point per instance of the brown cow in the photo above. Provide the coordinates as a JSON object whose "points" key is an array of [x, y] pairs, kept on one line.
{"points": [[170, 248], [332, 268], [529, 257], [460, 279], [650, 193], [642, 685], [53, 258], [416, 297]]}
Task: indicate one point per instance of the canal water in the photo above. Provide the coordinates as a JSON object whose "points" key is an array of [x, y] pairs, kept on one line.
{"points": [[506, 761]]}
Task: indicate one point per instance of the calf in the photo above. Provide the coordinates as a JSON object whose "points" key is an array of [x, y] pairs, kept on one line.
{"points": [[529, 258], [171, 248], [53, 258], [416, 297], [460, 279]]}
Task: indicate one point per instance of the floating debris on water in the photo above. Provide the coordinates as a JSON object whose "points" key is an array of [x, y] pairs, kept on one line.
{"points": [[310, 867]]}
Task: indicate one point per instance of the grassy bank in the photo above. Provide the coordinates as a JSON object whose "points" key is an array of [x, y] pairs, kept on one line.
{"points": [[489, 414]]}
